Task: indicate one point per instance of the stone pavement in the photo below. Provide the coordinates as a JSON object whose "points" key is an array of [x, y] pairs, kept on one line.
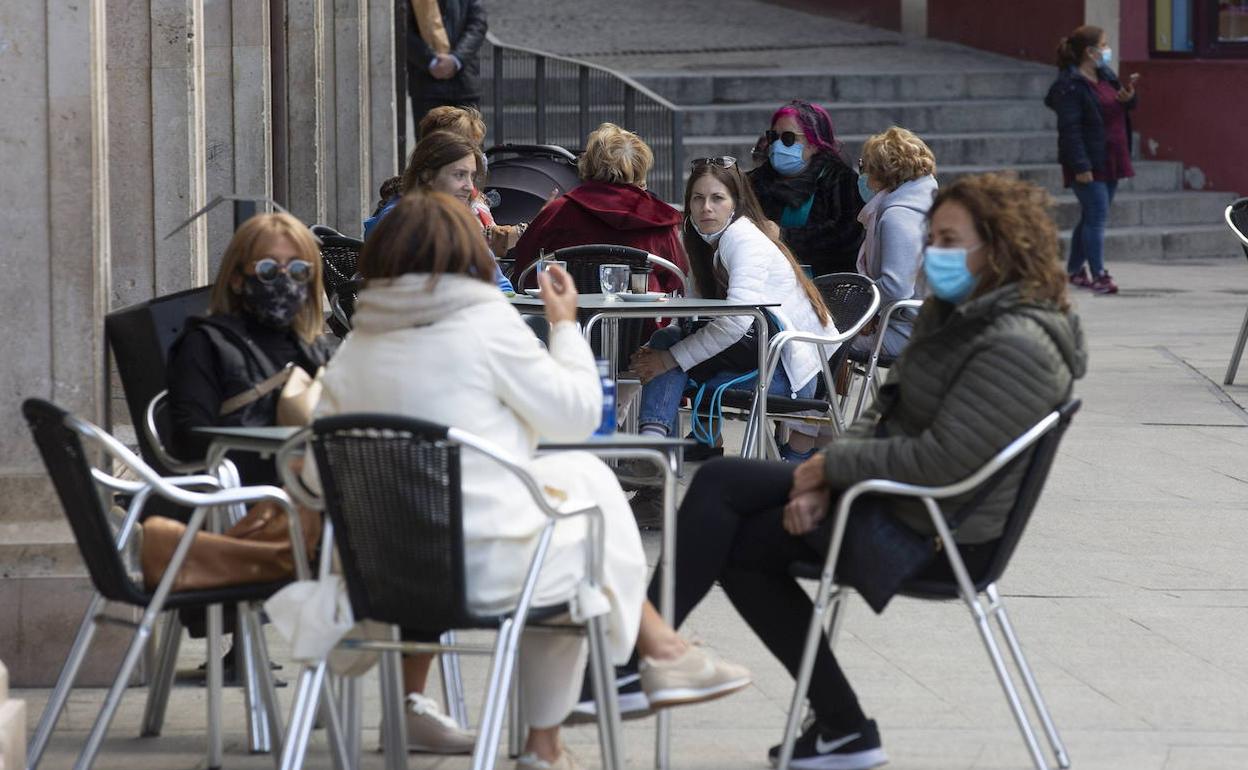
{"points": [[1129, 591]]}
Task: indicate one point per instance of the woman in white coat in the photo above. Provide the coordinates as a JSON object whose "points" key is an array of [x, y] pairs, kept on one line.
{"points": [[733, 259], [433, 338]]}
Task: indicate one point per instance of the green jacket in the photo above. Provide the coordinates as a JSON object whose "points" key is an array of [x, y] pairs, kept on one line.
{"points": [[973, 378]]}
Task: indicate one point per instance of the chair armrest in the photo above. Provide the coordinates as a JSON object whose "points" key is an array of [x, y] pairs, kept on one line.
{"points": [[671, 267], [886, 317], [158, 445]]}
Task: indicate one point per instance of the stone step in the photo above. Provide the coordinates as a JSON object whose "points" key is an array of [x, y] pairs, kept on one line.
{"points": [[832, 91], [1141, 244], [952, 149], [1150, 175], [929, 117], [1153, 209]]}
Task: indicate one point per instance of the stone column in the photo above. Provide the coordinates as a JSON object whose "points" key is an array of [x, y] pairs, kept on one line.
{"points": [[253, 111], [54, 209], [219, 121], [178, 143], [351, 114], [12, 726], [914, 18], [1106, 14], [305, 96], [382, 136]]}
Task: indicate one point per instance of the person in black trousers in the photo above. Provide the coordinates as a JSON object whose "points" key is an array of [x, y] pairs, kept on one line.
{"points": [[447, 79]]}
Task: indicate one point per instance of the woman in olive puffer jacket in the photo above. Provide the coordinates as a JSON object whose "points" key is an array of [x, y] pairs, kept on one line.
{"points": [[994, 351]]}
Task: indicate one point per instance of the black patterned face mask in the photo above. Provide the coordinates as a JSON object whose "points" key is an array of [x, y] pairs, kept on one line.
{"points": [[276, 303]]}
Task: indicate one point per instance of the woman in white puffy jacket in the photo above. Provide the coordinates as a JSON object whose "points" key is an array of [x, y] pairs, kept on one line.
{"points": [[733, 259], [435, 339]]}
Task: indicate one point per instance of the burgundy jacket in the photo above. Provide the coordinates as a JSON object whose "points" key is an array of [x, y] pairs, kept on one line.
{"points": [[601, 212]]}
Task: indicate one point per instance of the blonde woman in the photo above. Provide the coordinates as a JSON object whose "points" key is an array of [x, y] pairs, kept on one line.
{"points": [[264, 313], [896, 178], [611, 205]]}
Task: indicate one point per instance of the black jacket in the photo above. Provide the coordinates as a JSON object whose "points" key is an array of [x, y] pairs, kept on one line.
{"points": [[465, 24], [217, 357], [1081, 144], [829, 240]]}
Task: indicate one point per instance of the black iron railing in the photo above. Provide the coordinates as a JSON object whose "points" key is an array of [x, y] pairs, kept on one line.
{"points": [[534, 97]]}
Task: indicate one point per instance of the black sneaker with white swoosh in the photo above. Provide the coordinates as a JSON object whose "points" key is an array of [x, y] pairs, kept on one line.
{"points": [[819, 749]]}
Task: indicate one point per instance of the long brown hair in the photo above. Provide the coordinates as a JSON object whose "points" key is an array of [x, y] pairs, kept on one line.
{"points": [[1070, 49], [247, 246], [427, 232], [1013, 221], [702, 255], [435, 151]]}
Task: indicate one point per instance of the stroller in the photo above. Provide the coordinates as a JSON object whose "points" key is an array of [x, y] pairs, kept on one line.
{"points": [[523, 176]]}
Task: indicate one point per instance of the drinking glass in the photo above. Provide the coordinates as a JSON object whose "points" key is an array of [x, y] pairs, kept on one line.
{"points": [[614, 279]]}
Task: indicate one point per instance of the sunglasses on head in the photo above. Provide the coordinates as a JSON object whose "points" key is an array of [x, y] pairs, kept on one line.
{"points": [[787, 138], [268, 269], [723, 161]]}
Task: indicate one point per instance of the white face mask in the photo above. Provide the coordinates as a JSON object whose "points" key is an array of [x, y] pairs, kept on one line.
{"points": [[713, 238]]}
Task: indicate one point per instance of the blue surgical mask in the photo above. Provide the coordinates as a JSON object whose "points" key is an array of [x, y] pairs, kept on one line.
{"points": [[864, 189], [1107, 55], [947, 273], [787, 160]]}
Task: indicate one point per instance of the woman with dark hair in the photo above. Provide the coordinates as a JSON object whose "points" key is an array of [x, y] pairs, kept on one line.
{"points": [[1093, 145], [732, 259], [434, 340], [994, 350], [447, 163], [807, 189]]}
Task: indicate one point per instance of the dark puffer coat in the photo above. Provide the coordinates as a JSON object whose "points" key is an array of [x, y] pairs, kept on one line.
{"points": [[1081, 143], [829, 240], [973, 378]]}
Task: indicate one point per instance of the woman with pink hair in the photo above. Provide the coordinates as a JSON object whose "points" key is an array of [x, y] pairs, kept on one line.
{"points": [[807, 189]]}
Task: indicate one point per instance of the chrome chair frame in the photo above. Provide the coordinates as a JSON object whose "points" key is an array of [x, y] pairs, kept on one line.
{"points": [[1238, 352], [170, 638], [179, 490], [870, 385], [827, 599], [504, 652]]}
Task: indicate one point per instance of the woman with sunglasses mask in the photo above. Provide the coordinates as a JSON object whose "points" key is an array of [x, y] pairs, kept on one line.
{"points": [[732, 259], [807, 190], [264, 315]]}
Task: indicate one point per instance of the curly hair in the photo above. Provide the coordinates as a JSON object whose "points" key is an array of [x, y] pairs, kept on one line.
{"points": [[1013, 220], [615, 155], [464, 121], [897, 156]]}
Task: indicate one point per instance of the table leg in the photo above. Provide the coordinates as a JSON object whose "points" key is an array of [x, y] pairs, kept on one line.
{"points": [[667, 593]]}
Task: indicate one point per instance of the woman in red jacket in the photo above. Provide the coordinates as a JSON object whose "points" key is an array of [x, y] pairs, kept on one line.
{"points": [[612, 206]]}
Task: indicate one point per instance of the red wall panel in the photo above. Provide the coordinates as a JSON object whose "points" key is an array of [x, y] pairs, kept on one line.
{"points": [[1025, 29], [1193, 111]]}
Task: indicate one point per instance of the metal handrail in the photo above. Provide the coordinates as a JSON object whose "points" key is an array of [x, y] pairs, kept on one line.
{"points": [[635, 95]]}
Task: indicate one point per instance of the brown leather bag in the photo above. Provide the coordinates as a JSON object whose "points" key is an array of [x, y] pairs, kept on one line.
{"points": [[255, 550]]}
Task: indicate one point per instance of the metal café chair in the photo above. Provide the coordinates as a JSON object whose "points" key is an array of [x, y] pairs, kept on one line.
{"points": [[1236, 216], [877, 360], [1035, 449], [391, 486], [67, 445], [852, 300], [340, 258]]}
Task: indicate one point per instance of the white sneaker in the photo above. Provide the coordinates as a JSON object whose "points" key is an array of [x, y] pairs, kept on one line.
{"points": [[692, 678], [431, 731], [533, 762]]}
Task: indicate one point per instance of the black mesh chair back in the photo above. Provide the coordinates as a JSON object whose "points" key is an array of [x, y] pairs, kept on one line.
{"points": [[140, 337], [1237, 218], [847, 295], [69, 467], [340, 265], [583, 263], [391, 486], [1038, 463]]}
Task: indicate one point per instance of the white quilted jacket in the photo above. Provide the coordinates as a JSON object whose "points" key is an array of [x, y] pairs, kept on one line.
{"points": [[758, 272]]}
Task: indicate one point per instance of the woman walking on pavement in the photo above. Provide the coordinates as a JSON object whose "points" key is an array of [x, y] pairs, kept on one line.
{"points": [[1094, 145]]}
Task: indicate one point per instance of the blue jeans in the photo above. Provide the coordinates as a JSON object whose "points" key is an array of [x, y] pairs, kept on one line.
{"points": [[660, 397], [1087, 242]]}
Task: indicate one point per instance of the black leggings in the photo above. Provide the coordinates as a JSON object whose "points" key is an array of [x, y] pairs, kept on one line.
{"points": [[729, 529]]}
